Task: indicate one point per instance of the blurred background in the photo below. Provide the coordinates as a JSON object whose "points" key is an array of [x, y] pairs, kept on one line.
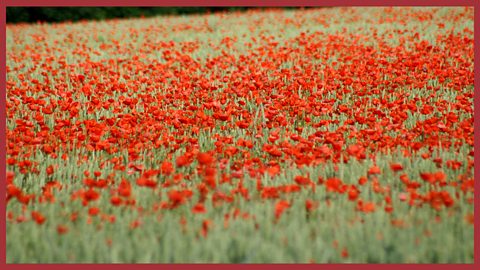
{"points": [[60, 14]]}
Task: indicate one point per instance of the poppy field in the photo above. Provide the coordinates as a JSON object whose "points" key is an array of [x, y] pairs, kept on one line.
{"points": [[323, 135]]}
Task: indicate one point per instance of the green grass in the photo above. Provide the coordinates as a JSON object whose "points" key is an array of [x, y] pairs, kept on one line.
{"points": [[426, 236]]}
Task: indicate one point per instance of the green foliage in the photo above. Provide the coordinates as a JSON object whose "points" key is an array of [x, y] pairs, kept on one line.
{"points": [[59, 14]]}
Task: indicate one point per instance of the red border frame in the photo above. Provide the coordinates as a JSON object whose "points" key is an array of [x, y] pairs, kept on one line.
{"points": [[4, 4], [242, 3]]}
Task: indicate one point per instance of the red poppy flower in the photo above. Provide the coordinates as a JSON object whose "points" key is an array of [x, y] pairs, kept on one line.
{"points": [[204, 158], [166, 168], [62, 229], [199, 208], [374, 170], [38, 217], [280, 207], [93, 211], [396, 167]]}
